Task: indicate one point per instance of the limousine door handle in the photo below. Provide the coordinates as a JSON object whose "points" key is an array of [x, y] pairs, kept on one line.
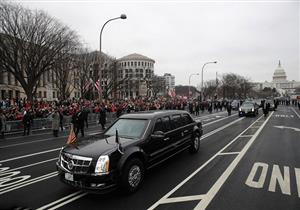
{"points": [[166, 139]]}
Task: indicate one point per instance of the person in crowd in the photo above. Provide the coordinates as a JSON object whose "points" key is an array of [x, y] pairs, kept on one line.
{"points": [[27, 121], [78, 122], [55, 122], [197, 108], [102, 119], [2, 124], [61, 120], [265, 107], [85, 113], [229, 108]]}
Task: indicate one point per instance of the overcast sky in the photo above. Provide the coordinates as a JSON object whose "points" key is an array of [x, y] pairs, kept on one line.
{"points": [[246, 38]]}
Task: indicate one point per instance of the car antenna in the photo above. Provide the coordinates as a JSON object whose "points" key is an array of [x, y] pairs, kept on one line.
{"points": [[118, 143]]}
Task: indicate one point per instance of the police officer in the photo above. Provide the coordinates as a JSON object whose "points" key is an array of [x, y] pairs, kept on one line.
{"points": [[78, 122], [2, 124], [266, 108], [229, 107], [27, 120], [102, 119]]}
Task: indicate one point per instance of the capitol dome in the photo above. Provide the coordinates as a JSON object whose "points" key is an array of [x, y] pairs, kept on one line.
{"points": [[279, 74]]}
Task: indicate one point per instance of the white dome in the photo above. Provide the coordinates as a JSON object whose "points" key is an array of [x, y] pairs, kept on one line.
{"points": [[279, 74]]}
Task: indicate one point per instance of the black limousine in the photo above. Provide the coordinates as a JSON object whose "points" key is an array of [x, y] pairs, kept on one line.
{"points": [[131, 145]]}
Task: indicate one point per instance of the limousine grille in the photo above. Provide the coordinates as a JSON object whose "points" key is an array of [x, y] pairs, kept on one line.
{"points": [[75, 164]]}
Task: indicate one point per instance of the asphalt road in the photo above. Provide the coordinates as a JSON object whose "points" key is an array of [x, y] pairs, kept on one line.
{"points": [[244, 163]]}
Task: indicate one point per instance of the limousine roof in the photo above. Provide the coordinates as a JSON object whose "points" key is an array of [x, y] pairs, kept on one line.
{"points": [[152, 114]]}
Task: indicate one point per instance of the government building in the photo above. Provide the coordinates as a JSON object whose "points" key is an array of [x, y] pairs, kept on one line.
{"points": [[280, 82]]}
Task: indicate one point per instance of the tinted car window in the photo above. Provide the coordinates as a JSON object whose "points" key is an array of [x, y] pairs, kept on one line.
{"points": [[167, 123], [158, 126], [186, 119], [176, 121]]}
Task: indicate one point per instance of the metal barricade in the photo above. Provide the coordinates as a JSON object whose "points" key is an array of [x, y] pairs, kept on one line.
{"points": [[46, 123]]}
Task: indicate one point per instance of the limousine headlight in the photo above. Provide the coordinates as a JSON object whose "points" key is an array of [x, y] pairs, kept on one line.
{"points": [[102, 165], [252, 110], [240, 109]]}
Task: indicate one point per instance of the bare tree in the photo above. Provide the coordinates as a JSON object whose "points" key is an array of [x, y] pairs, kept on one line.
{"points": [[31, 43]]}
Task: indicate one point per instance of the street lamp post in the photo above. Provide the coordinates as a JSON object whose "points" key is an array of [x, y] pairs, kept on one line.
{"points": [[190, 82], [122, 16], [202, 95]]}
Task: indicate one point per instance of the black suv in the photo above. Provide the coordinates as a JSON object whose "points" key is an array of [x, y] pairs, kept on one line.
{"points": [[133, 143]]}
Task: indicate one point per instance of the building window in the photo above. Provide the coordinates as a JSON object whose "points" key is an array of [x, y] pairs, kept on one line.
{"points": [[17, 94], [8, 78], [1, 77], [139, 63], [53, 94], [40, 94], [10, 94], [135, 63], [3, 94], [16, 81], [45, 94], [131, 63]]}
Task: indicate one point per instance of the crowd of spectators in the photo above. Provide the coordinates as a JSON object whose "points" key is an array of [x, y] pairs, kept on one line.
{"points": [[15, 109]]}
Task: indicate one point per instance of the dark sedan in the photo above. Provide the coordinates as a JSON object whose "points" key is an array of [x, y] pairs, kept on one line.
{"points": [[248, 109], [130, 146]]}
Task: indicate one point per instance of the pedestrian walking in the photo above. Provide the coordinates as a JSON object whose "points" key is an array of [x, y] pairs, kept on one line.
{"points": [[266, 108], [2, 124], [102, 119], [85, 114], [78, 123], [55, 123], [61, 120], [27, 121], [229, 108], [197, 109]]}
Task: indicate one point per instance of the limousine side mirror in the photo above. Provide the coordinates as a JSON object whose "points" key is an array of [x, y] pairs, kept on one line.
{"points": [[158, 135]]}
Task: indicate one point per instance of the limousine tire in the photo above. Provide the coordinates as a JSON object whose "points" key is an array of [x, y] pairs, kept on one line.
{"points": [[195, 143], [132, 175]]}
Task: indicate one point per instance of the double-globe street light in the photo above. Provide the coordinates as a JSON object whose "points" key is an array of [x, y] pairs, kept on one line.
{"points": [[122, 16], [202, 95], [190, 83]]}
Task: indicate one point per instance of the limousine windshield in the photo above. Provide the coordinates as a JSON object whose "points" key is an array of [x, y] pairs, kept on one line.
{"points": [[129, 128]]}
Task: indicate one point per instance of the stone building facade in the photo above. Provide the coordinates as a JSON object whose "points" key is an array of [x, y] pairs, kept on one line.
{"points": [[134, 76]]}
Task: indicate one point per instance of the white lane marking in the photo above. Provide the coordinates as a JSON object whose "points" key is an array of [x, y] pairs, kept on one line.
{"points": [[68, 201], [295, 112], [59, 200], [229, 153], [183, 199], [260, 182], [38, 134], [283, 181], [29, 182], [286, 127], [206, 124], [246, 136], [30, 165], [11, 178], [221, 128], [157, 203], [30, 142], [222, 179], [29, 155], [209, 115], [297, 174], [48, 139]]}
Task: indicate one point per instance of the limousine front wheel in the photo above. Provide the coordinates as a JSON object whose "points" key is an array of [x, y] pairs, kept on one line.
{"points": [[133, 175], [195, 143]]}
